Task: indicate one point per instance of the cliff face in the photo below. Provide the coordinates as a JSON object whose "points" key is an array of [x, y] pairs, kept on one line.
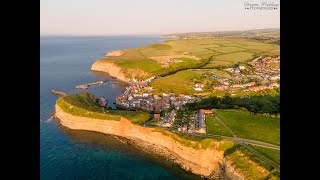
{"points": [[110, 68], [206, 162], [114, 53], [118, 72]]}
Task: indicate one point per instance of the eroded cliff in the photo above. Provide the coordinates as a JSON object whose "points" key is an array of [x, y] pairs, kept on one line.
{"points": [[206, 162], [110, 68]]}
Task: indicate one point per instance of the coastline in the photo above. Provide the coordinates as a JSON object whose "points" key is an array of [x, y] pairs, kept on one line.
{"points": [[205, 162], [111, 69]]}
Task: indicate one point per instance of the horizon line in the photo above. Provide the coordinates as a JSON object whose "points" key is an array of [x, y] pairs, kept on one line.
{"points": [[141, 34]]}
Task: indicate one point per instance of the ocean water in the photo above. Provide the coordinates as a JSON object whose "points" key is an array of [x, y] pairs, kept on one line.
{"points": [[69, 154]]}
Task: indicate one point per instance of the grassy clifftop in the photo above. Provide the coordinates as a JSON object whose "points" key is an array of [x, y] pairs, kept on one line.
{"points": [[175, 55], [81, 105]]}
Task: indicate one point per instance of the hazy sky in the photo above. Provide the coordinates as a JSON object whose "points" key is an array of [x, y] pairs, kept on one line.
{"points": [[111, 17]]}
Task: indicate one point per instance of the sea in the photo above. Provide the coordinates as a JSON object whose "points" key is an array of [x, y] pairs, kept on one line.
{"points": [[65, 62]]}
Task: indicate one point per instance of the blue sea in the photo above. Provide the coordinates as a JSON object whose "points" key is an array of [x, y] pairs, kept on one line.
{"points": [[69, 154]]}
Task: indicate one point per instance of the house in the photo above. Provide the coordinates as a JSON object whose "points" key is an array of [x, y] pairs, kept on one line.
{"points": [[157, 109], [275, 77], [149, 88], [249, 84], [242, 67], [236, 86], [198, 86], [205, 111], [156, 116], [236, 70], [225, 83], [198, 89], [257, 88], [165, 94], [137, 95], [274, 84], [243, 85], [228, 69], [201, 131], [221, 87]]}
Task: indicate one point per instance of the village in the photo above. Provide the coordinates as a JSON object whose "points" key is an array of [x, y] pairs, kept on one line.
{"points": [[153, 103], [257, 75], [168, 109]]}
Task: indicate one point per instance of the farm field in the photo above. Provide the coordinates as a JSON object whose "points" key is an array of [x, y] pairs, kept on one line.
{"points": [[171, 55], [182, 82], [214, 127], [250, 126]]}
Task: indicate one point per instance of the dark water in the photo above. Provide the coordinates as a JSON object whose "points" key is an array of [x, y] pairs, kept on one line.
{"points": [[70, 154]]}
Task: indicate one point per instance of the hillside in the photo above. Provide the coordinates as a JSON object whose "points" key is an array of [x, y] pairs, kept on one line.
{"points": [[172, 55]]}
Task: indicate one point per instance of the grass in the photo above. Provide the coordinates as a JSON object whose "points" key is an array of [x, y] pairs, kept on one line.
{"points": [[227, 49], [152, 123], [249, 165], [180, 82], [271, 154], [222, 51], [235, 57], [229, 59], [225, 145], [214, 127], [187, 140], [276, 65], [81, 105], [147, 65], [186, 62], [249, 126]]}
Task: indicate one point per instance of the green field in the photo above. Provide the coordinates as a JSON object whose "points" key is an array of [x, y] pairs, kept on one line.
{"points": [[249, 126], [214, 127], [249, 165], [271, 154], [182, 82], [187, 140], [230, 59], [81, 105], [219, 52]]}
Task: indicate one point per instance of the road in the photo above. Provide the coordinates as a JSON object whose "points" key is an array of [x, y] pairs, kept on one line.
{"points": [[241, 141], [261, 157], [236, 139]]}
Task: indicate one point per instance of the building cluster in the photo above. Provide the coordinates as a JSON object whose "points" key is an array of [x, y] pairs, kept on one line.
{"points": [[198, 87], [196, 123], [201, 125], [245, 78], [168, 119], [132, 99]]}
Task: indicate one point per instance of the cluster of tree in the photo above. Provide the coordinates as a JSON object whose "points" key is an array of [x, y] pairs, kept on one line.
{"points": [[172, 70], [256, 104]]}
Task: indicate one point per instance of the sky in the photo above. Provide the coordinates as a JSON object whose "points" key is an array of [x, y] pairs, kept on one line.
{"points": [[126, 17]]}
